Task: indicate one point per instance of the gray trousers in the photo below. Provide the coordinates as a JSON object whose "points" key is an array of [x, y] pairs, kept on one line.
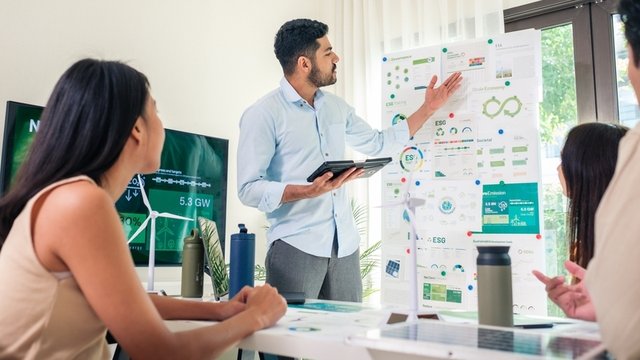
{"points": [[290, 269]]}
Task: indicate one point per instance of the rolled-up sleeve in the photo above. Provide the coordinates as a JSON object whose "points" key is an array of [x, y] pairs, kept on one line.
{"points": [[256, 148], [363, 138]]}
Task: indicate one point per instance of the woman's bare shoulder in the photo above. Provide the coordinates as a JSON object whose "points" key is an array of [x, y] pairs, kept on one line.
{"points": [[79, 198], [66, 213]]}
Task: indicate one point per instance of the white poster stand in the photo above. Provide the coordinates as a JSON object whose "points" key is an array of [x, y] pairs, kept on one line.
{"points": [[476, 164]]}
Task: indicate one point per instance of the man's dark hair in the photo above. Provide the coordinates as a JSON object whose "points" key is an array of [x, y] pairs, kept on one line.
{"points": [[297, 38], [630, 14]]}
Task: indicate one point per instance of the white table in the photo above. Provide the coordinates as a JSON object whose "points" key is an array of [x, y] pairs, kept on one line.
{"points": [[318, 330]]}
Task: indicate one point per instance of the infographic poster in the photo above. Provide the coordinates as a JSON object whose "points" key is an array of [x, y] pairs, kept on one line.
{"points": [[475, 165]]}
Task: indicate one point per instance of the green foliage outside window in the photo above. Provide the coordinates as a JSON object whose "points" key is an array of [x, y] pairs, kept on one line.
{"points": [[558, 113]]}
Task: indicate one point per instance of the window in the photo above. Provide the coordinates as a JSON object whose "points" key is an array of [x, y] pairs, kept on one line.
{"points": [[584, 79], [558, 114]]}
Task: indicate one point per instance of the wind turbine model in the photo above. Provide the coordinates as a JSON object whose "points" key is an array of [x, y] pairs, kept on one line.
{"points": [[152, 245], [410, 204]]}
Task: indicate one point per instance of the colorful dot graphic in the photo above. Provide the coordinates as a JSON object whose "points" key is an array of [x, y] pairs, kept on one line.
{"points": [[411, 158]]}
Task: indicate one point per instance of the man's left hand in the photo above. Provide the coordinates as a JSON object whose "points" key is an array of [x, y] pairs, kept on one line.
{"points": [[435, 97]]}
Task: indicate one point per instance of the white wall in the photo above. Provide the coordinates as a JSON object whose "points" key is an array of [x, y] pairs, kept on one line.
{"points": [[207, 60]]}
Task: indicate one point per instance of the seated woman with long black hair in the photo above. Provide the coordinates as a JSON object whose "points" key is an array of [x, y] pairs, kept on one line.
{"points": [[66, 273], [588, 162]]}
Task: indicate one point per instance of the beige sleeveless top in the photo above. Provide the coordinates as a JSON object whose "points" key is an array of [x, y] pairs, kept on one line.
{"points": [[43, 315]]}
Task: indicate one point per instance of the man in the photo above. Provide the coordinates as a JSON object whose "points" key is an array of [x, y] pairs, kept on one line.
{"points": [[313, 241]]}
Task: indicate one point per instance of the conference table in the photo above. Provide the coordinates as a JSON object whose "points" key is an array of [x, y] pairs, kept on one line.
{"points": [[320, 329]]}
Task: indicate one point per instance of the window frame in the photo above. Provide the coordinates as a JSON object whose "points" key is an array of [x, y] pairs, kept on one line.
{"points": [[594, 56]]}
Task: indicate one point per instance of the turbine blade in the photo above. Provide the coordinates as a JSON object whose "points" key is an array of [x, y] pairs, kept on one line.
{"points": [[145, 200], [416, 202], [140, 229], [173, 216], [390, 204], [407, 188], [412, 224]]}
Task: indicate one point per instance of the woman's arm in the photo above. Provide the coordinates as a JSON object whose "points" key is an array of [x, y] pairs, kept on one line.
{"points": [[172, 308], [77, 228]]}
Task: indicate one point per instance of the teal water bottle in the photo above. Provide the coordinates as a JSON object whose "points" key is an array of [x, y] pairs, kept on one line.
{"points": [[242, 260], [192, 266]]}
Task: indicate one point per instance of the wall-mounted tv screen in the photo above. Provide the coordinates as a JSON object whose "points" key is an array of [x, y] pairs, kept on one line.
{"points": [[20, 126], [191, 182]]}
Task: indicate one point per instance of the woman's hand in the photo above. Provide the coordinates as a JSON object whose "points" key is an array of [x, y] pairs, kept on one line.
{"points": [[266, 305], [574, 300]]}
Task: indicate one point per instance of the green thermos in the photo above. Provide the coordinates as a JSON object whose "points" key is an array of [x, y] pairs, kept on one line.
{"points": [[192, 266], [495, 293]]}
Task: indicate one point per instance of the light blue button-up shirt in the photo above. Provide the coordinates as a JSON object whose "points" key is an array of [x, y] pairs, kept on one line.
{"points": [[282, 141]]}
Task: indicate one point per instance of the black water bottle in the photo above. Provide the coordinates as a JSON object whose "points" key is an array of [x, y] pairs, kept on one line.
{"points": [[192, 266]]}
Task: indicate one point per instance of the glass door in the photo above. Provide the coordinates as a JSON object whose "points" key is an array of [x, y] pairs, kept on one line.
{"points": [[558, 114], [568, 99]]}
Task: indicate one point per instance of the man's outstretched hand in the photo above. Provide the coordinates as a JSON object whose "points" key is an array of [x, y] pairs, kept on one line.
{"points": [[435, 97]]}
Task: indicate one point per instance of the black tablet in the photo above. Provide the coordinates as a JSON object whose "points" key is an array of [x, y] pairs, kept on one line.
{"points": [[370, 166], [293, 297]]}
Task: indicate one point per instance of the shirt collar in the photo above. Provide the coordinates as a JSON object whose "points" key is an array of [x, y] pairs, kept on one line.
{"points": [[292, 95]]}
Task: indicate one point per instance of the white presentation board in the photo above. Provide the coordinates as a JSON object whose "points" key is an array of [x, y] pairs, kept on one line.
{"points": [[476, 163]]}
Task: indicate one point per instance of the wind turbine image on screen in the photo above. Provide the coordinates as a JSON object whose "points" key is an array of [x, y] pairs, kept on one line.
{"points": [[152, 238]]}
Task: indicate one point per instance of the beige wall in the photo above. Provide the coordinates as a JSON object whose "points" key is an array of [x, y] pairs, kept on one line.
{"points": [[207, 60]]}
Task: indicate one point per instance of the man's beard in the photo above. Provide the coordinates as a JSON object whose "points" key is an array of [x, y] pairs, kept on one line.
{"points": [[319, 80]]}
